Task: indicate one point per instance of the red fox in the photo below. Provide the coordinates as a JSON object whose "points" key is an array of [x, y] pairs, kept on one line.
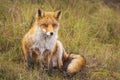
{"points": [[42, 36]]}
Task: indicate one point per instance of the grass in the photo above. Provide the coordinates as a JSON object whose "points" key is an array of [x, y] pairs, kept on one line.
{"points": [[90, 28]]}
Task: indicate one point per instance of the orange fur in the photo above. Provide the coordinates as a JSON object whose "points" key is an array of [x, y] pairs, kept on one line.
{"points": [[42, 35]]}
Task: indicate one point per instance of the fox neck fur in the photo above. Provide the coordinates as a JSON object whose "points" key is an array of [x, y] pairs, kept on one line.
{"points": [[42, 41]]}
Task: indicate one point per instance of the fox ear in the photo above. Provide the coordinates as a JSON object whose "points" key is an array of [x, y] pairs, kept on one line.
{"points": [[39, 13], [58, 14]]}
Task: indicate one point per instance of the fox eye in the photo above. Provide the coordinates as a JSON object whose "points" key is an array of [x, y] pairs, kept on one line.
{"points": [[45, 25], [54, 25]]}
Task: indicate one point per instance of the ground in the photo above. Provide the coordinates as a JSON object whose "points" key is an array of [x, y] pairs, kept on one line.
{"points": [[88, 27]]}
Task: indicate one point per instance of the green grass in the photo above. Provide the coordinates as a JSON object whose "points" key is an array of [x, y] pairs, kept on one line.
{"points": [[90, 28]]}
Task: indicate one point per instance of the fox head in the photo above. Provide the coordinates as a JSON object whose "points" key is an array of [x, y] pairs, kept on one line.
{"points": [[48, 21]]}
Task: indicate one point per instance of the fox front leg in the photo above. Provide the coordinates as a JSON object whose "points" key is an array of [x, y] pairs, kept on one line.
{"points": [[50, 65], [30, 63]]}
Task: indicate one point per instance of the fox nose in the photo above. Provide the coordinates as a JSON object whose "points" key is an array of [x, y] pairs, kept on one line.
{"points": [[51, 33]]}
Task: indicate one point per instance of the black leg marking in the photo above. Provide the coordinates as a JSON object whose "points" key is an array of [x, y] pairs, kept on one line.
{"points": [[65, 64], [30, 63], [51, 67]]}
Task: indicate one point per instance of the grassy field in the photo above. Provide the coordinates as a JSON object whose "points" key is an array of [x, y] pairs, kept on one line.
{"points": [[88, 27]]}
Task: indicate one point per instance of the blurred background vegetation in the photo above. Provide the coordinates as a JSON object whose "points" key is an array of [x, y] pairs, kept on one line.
{"points": [[88, 27]]}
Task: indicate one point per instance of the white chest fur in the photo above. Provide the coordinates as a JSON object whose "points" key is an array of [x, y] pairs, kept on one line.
{"points": [[42, 41]]}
